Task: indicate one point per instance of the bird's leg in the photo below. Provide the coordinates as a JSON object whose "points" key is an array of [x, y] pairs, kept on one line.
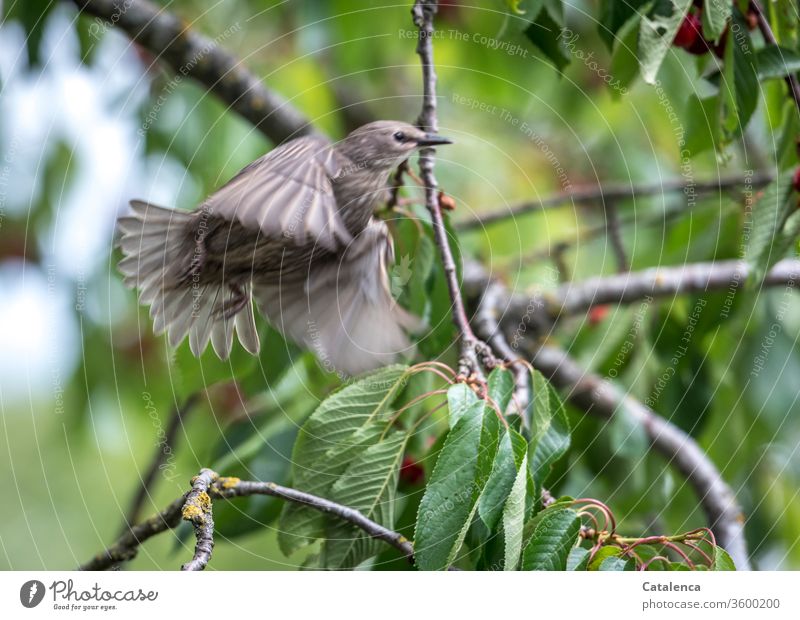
{"points": [[237, 302]]}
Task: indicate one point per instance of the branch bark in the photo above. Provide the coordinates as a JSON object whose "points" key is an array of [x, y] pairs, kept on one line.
{"points": [[196, 507], [613, 193], [541, 308], [602, 398], [474, 352], [190, 53]]}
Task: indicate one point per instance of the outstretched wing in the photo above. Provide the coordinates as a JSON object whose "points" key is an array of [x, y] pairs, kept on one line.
{"points": [[287, 193], [345, 312]]}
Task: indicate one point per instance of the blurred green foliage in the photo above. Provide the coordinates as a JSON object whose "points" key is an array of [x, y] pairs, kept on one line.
{"points": [[524, 129]]}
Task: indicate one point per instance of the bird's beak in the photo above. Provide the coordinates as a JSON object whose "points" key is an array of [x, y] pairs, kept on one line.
{"points": [[431, 139]]}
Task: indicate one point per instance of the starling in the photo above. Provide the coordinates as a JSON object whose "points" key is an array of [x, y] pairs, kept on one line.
{"points": [[293, 231]]}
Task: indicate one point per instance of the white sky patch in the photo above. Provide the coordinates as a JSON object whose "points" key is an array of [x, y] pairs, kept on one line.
{"points": [[94, 112]]}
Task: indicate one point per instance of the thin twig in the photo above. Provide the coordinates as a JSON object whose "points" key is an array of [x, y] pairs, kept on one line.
{"points": [[474, 352], [195, 506], [165, 447], [190, 53], [126, 547], [614, 193], [614, 234]]}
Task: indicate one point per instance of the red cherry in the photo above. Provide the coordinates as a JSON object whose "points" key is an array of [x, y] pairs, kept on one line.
{"points": [[796, 180], [596, 314], [688, 31], [411, 472]]}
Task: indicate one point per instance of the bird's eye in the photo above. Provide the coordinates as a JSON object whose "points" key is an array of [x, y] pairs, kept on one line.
{"points": [[399, 136]]}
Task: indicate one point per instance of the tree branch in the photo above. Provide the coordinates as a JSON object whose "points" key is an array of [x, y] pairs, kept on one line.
{"points": [[598, 397], [486, 324], [473, 351], [190, 53], [196, 507], [541, 308], [613, 193]]}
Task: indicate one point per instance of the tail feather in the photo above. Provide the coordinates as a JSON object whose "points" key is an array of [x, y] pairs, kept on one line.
{"points": [[153, 241], [246, 325]]}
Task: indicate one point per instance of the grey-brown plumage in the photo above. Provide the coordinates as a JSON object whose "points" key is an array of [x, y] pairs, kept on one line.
{"points": [[294, 230]]}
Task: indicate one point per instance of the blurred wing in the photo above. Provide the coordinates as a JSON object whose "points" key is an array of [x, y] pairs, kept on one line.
{"points": [[287, 193], [345, 312]]}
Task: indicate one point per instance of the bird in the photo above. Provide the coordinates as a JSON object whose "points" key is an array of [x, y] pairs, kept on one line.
{"points": [[293, 233]]}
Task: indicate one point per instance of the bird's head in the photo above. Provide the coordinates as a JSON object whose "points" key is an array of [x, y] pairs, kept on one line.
{"points": [[385, 144]]}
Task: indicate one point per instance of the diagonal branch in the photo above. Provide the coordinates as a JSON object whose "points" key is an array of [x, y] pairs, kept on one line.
{"points": [[196, 507], [576, 298], [190, 53], [602, 398], [474, 352]]}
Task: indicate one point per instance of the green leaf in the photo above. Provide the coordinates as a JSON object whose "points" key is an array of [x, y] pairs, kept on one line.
{"points": [[550, 433], [514, 516], [613, 14], [603, 554], [555, 8], [613, 564], [449, 502], [722, 561], [775, 61], [510, 451], [578, 559], [624, 62], [627, 436], [552, 540], [741, 75], [500, 388], [416, 293], [460, 400], [546, 34], [769, 215], [715, 18], [369, 485], [703, 130], [344, 425], [786, 151], [656, 34]]}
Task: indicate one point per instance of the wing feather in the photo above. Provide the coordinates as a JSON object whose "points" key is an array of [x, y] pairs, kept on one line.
{"points": [[288, 193], [344, 312]]}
